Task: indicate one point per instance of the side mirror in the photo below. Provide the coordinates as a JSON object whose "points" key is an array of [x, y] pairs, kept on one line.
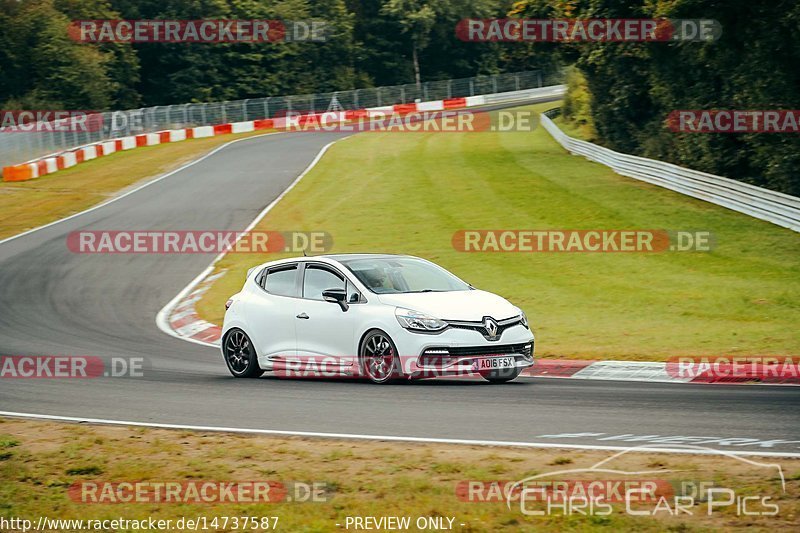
{"points": [[336, 296]]}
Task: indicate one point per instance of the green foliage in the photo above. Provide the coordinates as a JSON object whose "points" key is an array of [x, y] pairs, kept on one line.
{"points": [[633, 87], [577, 107], [752, 66], [369, 43], [621, 95], [7, 441], [47, 69]]}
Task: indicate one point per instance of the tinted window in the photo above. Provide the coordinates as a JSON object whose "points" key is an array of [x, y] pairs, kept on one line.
{"points": [[403, 274], [281, 282], [319, 279]]}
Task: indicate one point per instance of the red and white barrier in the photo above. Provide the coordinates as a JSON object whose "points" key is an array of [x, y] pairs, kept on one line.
{"points": [[54, 163]]}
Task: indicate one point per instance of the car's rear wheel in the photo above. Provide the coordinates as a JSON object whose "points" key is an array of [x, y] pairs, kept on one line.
{"points": [[240, 355], [501, 375], [378, 358]]}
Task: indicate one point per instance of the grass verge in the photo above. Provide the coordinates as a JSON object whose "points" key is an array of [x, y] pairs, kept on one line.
{"points": [[29, 204], [572, 129], [42, 460], [409, 193]]}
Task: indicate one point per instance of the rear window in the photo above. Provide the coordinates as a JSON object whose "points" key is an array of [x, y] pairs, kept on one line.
{"points": [[281, 281]]}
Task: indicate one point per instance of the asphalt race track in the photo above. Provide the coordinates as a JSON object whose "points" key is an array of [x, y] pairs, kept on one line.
{"points": [[53, 301]]}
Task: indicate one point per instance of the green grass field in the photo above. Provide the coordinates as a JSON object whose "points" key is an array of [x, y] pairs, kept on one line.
{"points": [[409, 193]]}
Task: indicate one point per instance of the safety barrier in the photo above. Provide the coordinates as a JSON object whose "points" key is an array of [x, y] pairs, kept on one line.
{"points": [[48, 165], [30, 142], [775, 207]]}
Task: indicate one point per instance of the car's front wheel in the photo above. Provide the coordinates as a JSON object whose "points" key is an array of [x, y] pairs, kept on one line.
{"points": [[240, 355], [501, 375], [378, 358]]}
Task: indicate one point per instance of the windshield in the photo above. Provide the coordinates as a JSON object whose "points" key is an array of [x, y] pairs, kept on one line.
{"points": [[385, 275]]}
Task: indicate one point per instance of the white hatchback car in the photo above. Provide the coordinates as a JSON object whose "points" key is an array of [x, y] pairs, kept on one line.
{"points": [[381, 317]]}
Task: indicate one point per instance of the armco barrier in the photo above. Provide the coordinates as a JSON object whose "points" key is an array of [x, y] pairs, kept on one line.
{"points": [[778, 208], [40, 167], [34, 143]]}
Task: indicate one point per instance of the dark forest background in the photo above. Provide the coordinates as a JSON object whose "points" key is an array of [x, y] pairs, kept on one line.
{"points": [[620, 92]]}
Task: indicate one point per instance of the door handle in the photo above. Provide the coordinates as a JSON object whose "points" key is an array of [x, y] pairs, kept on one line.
{"points": [[303, 316]]}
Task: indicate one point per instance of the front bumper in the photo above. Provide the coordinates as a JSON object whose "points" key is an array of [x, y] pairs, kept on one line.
{"points": [[455, 352]]}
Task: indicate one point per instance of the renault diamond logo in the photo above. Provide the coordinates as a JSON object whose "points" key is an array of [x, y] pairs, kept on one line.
{"points": [[491, 326]]}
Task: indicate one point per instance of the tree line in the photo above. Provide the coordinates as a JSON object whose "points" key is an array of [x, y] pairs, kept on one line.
{"points": [[368, 43], [623, 91], [626, 91]]}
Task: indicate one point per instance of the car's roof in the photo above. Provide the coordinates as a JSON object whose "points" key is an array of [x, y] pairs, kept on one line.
{"points": [[356, 256], [338, 258]]}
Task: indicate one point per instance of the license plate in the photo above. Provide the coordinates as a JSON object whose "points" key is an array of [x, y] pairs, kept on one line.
{"points": [[493, 363]]}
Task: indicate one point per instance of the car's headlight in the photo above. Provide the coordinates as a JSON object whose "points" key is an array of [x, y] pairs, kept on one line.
{"points": [[414, 320], [524, 319]]}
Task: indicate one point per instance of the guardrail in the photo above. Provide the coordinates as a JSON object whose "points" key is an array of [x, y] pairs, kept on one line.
{"points": [[20, 146], [51, 163], [775, 207], [554, 91]]}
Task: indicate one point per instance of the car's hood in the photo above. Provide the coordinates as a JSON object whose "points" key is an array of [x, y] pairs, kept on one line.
{"points": [[456, 305]]}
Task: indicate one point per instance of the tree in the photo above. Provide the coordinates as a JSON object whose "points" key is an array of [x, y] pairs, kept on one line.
{"points": [[417, 19]]}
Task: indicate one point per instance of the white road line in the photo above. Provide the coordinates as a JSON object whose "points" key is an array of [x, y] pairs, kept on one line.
{"points": [[137, 189], [394, 438], [162, 318]]}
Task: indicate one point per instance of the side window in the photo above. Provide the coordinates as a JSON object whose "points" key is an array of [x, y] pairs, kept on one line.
{"points": [[281, 281], [318, 279]]}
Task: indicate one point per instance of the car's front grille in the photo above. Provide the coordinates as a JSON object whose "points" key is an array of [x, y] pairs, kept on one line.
{"points": [[443, 356], [502, 325]]}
